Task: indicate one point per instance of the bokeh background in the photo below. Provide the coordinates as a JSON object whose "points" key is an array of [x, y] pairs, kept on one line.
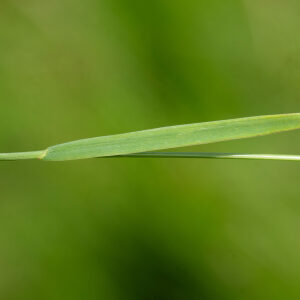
{"points": [[147, 228]]}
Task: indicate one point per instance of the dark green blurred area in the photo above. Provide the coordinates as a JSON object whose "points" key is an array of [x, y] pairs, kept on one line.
{"points": [[147, 228]]}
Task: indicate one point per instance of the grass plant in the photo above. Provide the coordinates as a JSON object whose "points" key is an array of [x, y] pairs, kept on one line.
{"points": [[143, 143]]}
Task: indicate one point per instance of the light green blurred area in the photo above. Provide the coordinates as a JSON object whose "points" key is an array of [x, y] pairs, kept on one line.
{"points": [[147, 228]]}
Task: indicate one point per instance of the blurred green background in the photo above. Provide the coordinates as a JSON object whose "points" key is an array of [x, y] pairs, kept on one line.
{"points": [[147, 228]]}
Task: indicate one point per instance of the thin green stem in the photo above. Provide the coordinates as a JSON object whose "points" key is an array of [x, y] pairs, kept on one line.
{"points": [[41, 155], [213, 155], [22, 155]]}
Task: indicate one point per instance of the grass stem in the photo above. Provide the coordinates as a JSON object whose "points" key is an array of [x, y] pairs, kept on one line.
{"points": [[22, 155], [213, 155]]}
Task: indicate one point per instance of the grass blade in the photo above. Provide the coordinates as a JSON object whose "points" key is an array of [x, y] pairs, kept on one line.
{"points": [[173, 137], [167, 138]]}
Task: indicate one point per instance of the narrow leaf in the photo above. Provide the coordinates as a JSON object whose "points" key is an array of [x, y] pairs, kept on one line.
{"points": [[172, 137], [131, 144]]}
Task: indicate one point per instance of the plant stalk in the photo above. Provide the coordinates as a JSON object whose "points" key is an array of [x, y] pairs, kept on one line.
{"points": [[213, 155], [22, 155], [41, 154]]}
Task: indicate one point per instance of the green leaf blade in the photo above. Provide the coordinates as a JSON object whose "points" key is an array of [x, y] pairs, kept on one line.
{"points": [[173, 137]]}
